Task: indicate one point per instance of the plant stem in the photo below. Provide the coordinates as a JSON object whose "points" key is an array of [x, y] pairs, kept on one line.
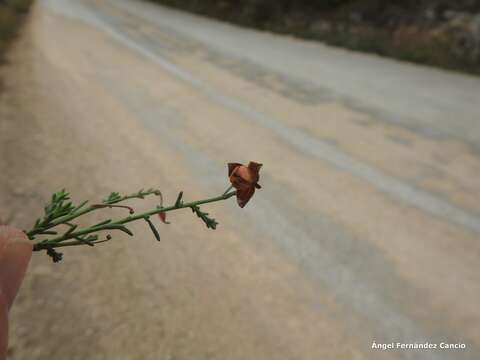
{"points": [[67, 218], [59, 241], [228, 189]]}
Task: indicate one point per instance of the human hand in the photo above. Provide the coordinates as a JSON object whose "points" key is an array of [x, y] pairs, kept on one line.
{"points": [[15, 252]]}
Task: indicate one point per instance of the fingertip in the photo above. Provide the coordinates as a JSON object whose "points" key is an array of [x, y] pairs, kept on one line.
{"points": [[15, 253]]}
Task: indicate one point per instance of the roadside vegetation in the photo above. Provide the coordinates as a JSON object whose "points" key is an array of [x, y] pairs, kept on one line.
{"points": [[12, 12], [442, 33]]}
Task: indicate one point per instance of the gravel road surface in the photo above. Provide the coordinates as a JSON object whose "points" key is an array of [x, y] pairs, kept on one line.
{"points": [[367, 228]]}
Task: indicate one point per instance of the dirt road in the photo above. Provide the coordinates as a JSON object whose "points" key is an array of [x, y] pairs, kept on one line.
{"points": [[366, 229]]}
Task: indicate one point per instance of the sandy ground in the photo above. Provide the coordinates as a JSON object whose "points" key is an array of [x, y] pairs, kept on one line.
{"points": [[367, 228]]}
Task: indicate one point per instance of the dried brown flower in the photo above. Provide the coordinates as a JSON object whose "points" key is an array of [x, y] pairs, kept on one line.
{"points": [[245, 180]]}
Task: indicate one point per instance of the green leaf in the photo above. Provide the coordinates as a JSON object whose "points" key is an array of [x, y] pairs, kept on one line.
{"points": [[88, 240], [211, 223], [118, 227], [103, 223], [178, 202], [81, 205], [152, 227], [69, 231], [113, 197]]}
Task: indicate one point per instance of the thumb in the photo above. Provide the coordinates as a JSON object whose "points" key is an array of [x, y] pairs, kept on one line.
{"points": [[15, 252]]}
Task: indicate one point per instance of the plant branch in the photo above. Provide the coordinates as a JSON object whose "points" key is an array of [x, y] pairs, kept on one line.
{"points": [[73, 238], [58, 213]]}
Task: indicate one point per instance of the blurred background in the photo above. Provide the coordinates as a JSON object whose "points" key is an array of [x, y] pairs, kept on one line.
{"points": [[436, 32], [365, 115]]}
